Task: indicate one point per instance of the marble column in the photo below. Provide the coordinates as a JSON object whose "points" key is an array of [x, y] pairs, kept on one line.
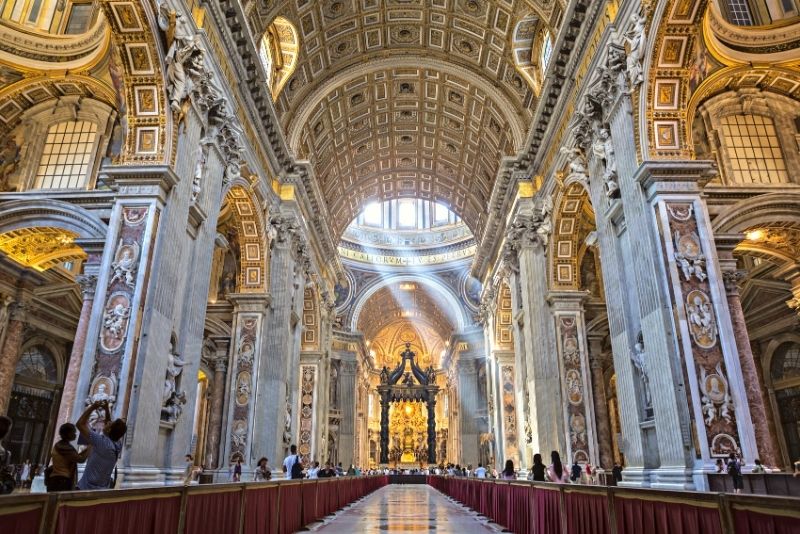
{"points": [[347, 405], [765, 441], [215, 416], [467, 408], [526, 243], [602, 420], [10, 353], [432, 429], [88, 284]]}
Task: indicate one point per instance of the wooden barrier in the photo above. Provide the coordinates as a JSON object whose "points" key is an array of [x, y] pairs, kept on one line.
{"points": [[244, 508], [543, 508]]}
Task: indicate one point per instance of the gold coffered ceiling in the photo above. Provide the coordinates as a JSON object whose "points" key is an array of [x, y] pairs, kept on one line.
{"points": [[406, 98]]}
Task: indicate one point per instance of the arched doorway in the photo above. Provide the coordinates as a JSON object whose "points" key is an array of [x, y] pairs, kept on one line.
{"points": [[34, 402], [783, 384]]}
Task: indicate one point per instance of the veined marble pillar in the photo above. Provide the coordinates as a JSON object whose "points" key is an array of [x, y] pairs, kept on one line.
{"points": [[468, 408], [525, 250], [578, 406], [245, 363], [212, 453], [765, 441], [88, 284], [347, 405], [602, 420], [10, 353]]}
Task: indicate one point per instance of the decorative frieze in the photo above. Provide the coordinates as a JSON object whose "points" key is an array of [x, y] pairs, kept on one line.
{"points": [[509, 413], [308, 374], [243, 373], [575, 384]]}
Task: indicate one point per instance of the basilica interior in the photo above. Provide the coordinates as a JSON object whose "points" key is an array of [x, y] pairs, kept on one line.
{"points": [[404, 233]]}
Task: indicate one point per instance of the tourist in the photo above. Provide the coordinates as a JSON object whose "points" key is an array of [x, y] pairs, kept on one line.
{"points": [[262, 472], [62, 475], [616, 473], [292, 465], [313, 471], [720, 466], [339, 470], [480, 471], [191, 471], [508, 472], [538, 470], [106, 447], [575, 476], [6, 469], [237, 470], [351, 471], [555, 471], [758, 468], [735, 471], [328, 472], [25, 474]]}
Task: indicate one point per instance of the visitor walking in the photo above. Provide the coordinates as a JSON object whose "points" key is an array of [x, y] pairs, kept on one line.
{"points": [[25, 474], [480, 471], [328, 472], [735, 471], [237, 470], [616, 473], [555, 471], [538, 469], [313, 471], [106, 447], [262, 472], [509, 473], [62, 475], [292, 465]]}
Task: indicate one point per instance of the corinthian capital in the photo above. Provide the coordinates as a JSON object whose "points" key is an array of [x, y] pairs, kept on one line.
{"points": [[88, 284], [283, 229]]}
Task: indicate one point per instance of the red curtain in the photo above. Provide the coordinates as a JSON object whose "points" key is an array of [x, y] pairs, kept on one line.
{"points": [[747, 522], [309, 502], [485, 507], [587, 513], [637, 516], [158, 515], [291, 519], [499, 511], [261, 511], [519, 508], [26, 522], [548, 514], [211, 513]]}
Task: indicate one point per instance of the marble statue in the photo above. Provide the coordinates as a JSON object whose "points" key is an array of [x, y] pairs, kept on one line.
{"points": [[636, 39], [9, 158], [173, 407], [115, 318], [638, 359], [603, 149], [174, 369], [124, 264], [578, 167]]}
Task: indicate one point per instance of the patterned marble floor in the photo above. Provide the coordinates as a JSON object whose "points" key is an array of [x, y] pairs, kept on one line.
{"points": [[405, 508]]}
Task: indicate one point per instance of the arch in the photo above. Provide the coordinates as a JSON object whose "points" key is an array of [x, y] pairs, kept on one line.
{"points": [[450, 298], [253, 256], [35, 213], [761, 210], [280, 51], [526, 46], [55, 352]]}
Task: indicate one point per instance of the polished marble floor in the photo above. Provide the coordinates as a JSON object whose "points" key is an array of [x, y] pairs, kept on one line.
{"points": [[406, 508]]}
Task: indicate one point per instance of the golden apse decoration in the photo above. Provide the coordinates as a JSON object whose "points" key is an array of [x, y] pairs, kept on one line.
{"points": [[408, 424], [42, 247]]}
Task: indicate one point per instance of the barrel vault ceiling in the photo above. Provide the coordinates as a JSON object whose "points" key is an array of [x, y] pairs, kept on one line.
{"points": [[407, 98]]}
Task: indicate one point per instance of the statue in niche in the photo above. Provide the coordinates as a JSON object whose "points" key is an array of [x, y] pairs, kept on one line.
{"points": [[174, 369], [578, 167], [180, 54], [638, 359], [115, 318], [124, 264], [701, 319], [486, 448], [173, 407], [287, 421], [603, 149], [334, 388], [199, 172]]}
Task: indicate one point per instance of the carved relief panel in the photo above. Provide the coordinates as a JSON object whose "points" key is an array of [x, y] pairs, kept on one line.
{"points": [[243, 382], [576, 389]]}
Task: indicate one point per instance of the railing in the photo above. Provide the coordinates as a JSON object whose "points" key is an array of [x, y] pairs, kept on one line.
{"points": [[543, 508], [240, 508]]}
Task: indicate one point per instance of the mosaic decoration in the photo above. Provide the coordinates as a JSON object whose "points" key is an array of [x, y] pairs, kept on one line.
{"points": [[707, 360], [253, 271], [308, 374], [118, 307], [243, 372], [509, 414], [575, 387]]}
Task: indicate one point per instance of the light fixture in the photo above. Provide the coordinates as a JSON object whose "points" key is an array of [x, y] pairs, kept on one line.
{"points": [[755, 235]]}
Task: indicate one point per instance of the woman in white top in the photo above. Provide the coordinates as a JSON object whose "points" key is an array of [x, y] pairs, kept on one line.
{"points": [[555, 471], [262, 472]]}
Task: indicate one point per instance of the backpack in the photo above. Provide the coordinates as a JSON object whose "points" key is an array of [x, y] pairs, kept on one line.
{"points": [[297, 467]]}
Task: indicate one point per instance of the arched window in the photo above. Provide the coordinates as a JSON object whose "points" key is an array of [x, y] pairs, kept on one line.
{"points": [[785, 377], [753, 150], [38, 364], [547, 50], [279, 50], [66, 155]]}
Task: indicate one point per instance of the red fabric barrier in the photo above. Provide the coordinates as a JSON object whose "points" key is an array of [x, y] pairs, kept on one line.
{"points": [[586, 513], [519, 509], [261, 511], [133, 516], [290, 506], [211, 513], [499, 510], [636, 516], [548, 515], [309, 502], [22, 522], [747, 522], [332, 488]]}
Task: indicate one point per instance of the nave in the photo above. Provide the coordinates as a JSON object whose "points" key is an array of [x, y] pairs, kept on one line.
{"points": [[406, 508]]}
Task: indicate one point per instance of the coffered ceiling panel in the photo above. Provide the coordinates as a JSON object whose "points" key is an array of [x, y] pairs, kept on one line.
{"points": [[406, 98]]}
